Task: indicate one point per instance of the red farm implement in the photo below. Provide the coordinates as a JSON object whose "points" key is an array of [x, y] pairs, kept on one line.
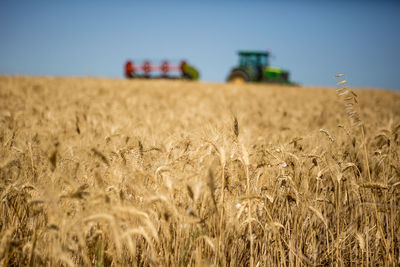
{"points": [[164, 71]]}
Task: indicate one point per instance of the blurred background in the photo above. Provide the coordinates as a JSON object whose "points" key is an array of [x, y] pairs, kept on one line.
{"points": [[312, 39]]}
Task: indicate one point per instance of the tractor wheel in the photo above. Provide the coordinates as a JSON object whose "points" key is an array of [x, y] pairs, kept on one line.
{"points": [[238, 77]]}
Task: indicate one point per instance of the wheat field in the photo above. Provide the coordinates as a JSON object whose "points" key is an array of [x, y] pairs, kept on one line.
{"points": [[102, 172]]}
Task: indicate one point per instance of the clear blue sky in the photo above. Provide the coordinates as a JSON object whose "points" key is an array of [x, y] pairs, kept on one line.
{"points": [[312, 39]]}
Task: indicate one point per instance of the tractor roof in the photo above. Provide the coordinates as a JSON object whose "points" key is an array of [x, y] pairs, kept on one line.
{"points": [[257, 53]]}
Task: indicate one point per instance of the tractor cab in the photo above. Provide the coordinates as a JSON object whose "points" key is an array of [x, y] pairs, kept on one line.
{"points": [[250, 68], [253, 59]]}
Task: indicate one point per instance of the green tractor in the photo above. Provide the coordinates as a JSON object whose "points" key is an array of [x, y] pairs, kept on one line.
{"points": [[254, 67]]}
